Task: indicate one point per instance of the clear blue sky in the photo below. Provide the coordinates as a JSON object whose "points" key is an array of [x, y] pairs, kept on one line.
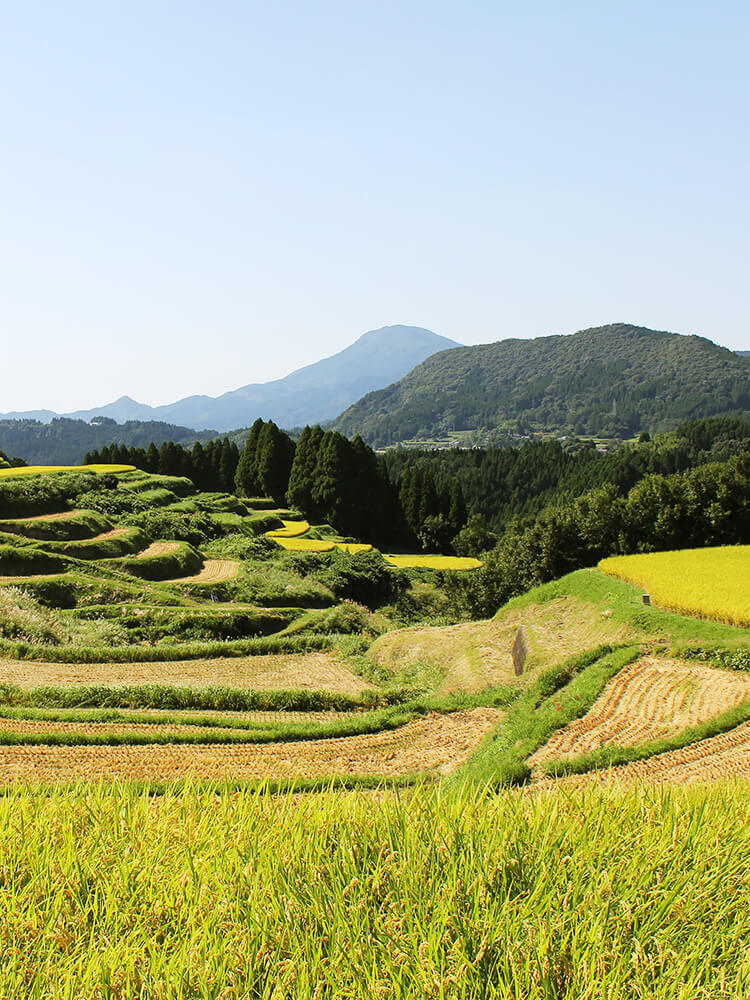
{"points": [[196, 196]]}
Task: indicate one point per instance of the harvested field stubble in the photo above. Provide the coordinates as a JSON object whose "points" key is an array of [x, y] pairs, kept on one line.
{"points": [[158, 549], [720, 757], [646, 700], [435, 743], [213, 571], [308, 671]]}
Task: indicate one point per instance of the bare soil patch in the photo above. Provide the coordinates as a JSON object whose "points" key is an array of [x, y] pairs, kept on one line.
{"points": [[435, 744], [213, 571], [320, 671], [648, 699]]}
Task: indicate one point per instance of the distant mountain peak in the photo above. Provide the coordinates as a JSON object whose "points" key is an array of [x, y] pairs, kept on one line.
{"points": [[313, 394]]}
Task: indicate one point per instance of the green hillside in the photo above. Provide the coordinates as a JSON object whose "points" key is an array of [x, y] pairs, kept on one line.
{"points": [[613, 381], [64, 441]]}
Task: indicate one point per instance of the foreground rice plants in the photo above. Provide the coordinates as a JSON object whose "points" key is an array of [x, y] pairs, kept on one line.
{"points": [[712, 582], [433, 893]]}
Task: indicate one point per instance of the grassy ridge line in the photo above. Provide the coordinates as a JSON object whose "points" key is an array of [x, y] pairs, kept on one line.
{"points": [[372, 722], [254, 894], [613, 754], [162, 696], [156, 654], [561, 694]]}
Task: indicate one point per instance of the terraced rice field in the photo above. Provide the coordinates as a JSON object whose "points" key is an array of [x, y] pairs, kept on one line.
{"points": [[283, 672], [291, 529], [33, 470], [649, 699], [22, 727], [720, 757], [59, 516], [353, 547], [305, 544], [435, 744], [31, 576], [158, 549], [433, 562], [213, 571], [710, 583]]}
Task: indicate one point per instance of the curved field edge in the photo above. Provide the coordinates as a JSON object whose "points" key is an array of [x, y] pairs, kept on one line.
{"points": [[711, 582], [559, 695], [451, 877], [433, 743]]}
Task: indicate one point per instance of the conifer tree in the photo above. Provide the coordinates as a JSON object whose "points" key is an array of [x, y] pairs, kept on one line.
{"points": [[246, 476], [275, 454], [299, 493]]}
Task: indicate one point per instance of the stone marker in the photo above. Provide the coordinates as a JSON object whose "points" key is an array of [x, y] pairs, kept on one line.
{"points": [[646, 598], [519, 651]]}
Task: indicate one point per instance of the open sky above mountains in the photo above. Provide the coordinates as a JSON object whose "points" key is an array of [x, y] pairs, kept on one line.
{"points": [[198, 202]]}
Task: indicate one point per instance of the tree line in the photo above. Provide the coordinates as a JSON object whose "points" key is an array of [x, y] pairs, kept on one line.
{"points": [[342, 482], [705, 505], [212, 466], [502, 484]]}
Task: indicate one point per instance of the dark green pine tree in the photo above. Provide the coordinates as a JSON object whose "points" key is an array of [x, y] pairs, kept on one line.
{"points": [[429, 502], [274, 463], [152, 458], [457, 513], [201, 469], [228, 460], [246, 476], [299, 493]]}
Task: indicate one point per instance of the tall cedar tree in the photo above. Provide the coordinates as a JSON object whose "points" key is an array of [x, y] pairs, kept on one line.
{"points": [[299, 493], [275, 455], [246, 477]]}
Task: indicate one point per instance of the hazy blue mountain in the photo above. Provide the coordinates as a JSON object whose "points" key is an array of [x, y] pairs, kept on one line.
{"points": [[312, 394]]}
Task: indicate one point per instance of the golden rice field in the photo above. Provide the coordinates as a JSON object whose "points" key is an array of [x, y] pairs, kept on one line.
{"points": [[433, 562], [353, 547], [33, 470], [291, 529], [305, 544], [712, 582]]}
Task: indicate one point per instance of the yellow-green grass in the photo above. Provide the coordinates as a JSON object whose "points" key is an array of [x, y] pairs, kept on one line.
{"points": [[34, 470], [433, 562], [232, 893], [353, 547], [291, 529], [712, 583], [304, 544]]}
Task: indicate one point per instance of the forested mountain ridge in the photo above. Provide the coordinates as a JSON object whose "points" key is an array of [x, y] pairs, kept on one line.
{"points": [[614, 380], [312, 394]]}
